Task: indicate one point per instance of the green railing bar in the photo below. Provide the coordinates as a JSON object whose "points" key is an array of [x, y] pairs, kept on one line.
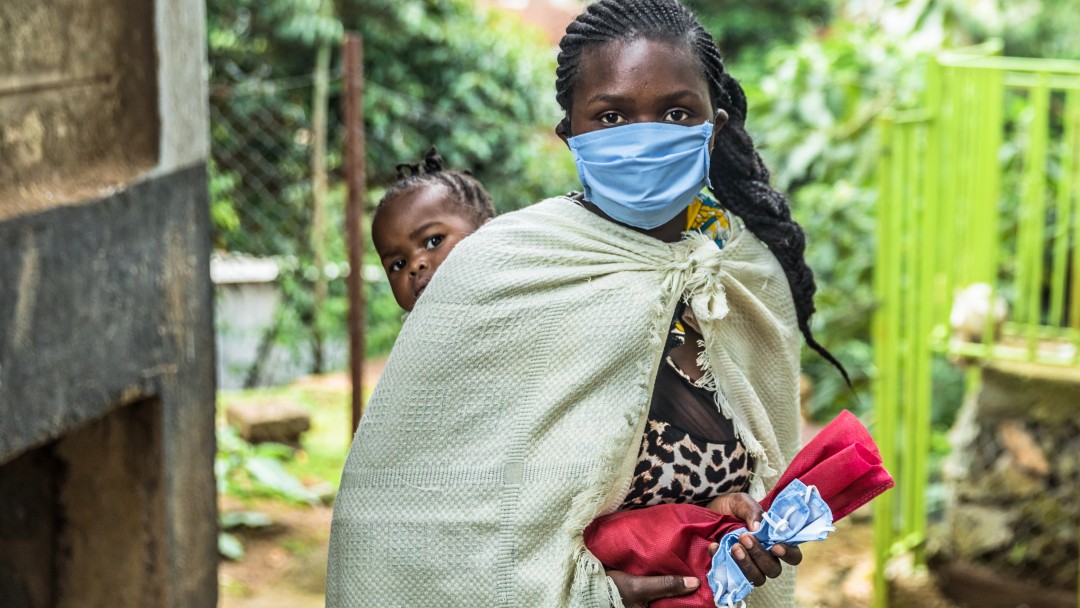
{"points": [[966, 155], [1030, 80], [993, 116], [914, 206], [1059, 264], [1072, 120], [942, 212], [1043, 332], [946, 142], [1064, 67], [1030, 182], [1034, 205], [962, 136], [884, 423], [1016, 354], [922, 402]]}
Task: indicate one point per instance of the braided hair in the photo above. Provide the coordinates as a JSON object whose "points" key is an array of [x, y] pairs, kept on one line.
{"points": [[466, 192], [739, 177]]}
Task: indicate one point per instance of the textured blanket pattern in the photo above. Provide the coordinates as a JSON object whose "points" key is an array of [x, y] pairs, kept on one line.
{"points": [[510, 411]]}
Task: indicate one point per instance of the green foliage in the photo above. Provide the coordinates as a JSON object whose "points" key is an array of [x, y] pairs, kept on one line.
{"points": [[812, 117], [477, 84], [244, 470], [229, 545], [748, 29]]}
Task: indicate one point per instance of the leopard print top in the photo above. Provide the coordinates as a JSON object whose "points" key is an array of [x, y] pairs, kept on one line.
{"points": [[689, 453], [675, 466]]}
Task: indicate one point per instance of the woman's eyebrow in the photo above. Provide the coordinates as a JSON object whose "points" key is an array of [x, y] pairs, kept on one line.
{"points": [[680, 94], [630, 100], [611, 98]]}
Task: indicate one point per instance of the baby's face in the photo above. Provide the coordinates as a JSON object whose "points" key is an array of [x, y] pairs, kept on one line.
{"points": [[414, 235]]}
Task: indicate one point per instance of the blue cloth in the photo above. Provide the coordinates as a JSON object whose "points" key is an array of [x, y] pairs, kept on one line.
{"points": [[643, 174], [798, 514]]}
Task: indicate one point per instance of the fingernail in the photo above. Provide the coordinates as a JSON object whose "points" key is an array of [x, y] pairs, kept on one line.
{"points": [[754, 525], [690, 582], [738, 552], [779, 550], [747, 541]]}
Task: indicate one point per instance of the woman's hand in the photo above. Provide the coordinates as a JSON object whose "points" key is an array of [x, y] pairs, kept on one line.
{"points": [[638, 591], [756, 563]]}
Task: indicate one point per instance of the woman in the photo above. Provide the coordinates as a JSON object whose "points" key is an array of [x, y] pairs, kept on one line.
{"points": [[513, 409]]}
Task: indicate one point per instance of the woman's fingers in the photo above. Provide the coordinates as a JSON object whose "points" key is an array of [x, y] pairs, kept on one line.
{"points": [[640, 590], [756, 563], [789, 554], [739, 504]]}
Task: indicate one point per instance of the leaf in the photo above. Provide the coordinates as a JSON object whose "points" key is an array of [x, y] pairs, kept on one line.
{"points": [[248, 519], [271, 474], [230, 547]]}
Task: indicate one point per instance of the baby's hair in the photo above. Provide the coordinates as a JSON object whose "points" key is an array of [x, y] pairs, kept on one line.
{"points": [[466, 192], [739, 177]]}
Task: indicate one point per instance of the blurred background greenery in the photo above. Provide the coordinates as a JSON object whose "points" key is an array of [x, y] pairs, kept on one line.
{"points": [[478, 82]]}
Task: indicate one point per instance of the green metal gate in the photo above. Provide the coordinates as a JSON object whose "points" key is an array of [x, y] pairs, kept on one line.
{"points": [[980, 186]]}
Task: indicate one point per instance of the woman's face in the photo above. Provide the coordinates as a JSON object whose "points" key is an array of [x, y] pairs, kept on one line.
{"points": [[634, 81], [638, 81]]}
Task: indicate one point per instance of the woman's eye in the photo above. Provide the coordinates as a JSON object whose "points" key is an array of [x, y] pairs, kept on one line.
{"points": [[433, 241], [397, 265], [611, 118], [677, 116]]}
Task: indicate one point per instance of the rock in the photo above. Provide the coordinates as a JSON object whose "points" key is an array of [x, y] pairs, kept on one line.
{"points": [[1023, 447], [1012, 480], [978, 529], [278, 421]]}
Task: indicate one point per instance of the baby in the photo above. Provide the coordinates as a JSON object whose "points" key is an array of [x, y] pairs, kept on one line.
{"points": [[421, 218]]}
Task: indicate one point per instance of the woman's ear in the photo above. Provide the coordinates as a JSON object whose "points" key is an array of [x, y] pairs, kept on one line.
{"points": [[719, 120], [563, 132]]}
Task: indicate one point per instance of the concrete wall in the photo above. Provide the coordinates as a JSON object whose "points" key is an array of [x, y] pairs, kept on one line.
{"points": [[106, 331]]}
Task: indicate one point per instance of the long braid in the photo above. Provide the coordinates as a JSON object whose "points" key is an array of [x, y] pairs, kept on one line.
{"points": [[739, 176], [466, 192]]}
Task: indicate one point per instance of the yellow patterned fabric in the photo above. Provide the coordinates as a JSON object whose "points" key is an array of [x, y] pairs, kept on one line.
{"points": [[707, 216]]}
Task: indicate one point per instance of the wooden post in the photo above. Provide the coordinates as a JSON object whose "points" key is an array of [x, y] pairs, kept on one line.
{"points": [[353, 99], [319, 100]]}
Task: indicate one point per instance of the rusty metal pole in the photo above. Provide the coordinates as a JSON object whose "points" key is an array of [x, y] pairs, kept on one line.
{"points": [[355, 171]]}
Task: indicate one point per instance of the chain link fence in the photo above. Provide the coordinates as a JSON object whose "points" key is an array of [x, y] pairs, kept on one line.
{"points": [[270, 327]]}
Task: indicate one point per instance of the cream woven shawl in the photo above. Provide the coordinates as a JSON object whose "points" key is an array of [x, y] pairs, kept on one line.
{"points": [[511, 409]]}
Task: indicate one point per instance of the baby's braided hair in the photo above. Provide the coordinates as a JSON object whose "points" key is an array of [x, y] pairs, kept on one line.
{"points": [[466, 192], [739, 177]]}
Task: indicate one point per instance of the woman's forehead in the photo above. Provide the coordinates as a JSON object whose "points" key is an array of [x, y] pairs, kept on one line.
{"points": [[637, 68]]}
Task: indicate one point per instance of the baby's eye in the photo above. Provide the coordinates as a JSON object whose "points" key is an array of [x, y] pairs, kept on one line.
{"points": [[676, 116], [396, 265], [433, 241], [612, 118]]}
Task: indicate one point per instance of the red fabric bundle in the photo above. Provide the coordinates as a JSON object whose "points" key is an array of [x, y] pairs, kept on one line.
{"points": [[842, 461]]}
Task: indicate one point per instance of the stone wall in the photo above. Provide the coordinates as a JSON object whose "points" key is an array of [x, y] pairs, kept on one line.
{"points": [[1013, 479], [107, 493], [78, 99]]}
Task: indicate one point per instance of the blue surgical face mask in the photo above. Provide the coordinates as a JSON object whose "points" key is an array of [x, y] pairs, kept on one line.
{"points": [[643, 174]]}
